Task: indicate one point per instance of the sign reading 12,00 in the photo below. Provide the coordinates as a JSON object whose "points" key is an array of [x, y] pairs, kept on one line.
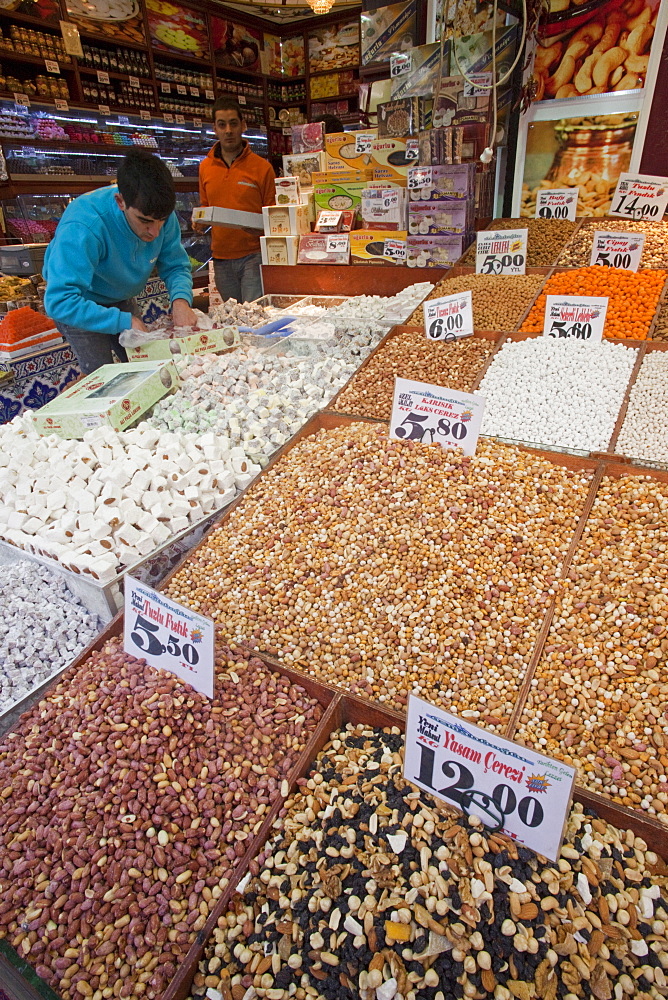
{"points": [[510, 788]]}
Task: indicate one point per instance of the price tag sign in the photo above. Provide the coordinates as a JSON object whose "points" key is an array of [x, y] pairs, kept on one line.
{"points": [[102, 76], [427, 413], [395, 250], [622, 250], [328, 220], [575, 318], [390, 200], [179, 119], [61, 105], [209, 94], [194, 91], [197, 122], [22, 99], [241, 99], [336, 244], [145, 115], [401, 63], [419, 177], [104, 109], [51, 66], [133, 81], [477, 84], [363, 144], [557, 203], [513, 790], [640, 196], [412, 149], [503, 252], [181, 89], [166, 88], [169, 636], [450, 317]]}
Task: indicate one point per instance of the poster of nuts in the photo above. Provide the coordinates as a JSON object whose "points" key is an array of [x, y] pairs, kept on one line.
{"points": [[609, 52]]}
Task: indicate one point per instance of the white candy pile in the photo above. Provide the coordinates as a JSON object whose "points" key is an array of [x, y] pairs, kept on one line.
{"points": [[255, 401], [643, 433], [107, 501], [44, 627], [564, 393]]}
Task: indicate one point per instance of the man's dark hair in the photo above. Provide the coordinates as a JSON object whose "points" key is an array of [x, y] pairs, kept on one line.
{"points": [[226, 104], [145, 183], [331, 122]]}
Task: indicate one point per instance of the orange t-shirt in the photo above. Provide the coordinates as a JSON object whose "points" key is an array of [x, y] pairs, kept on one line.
{"points": [[246, 186]]}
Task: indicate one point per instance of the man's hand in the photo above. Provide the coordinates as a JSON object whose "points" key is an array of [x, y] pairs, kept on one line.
{"points": [[200, 227], [137, 324], [182, 314]]}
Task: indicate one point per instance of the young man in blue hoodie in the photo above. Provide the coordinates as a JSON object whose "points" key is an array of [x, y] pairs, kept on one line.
{"points": [[105, 248]]}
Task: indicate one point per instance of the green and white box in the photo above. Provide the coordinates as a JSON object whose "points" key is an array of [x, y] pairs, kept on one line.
{"points": [[114, 395]]}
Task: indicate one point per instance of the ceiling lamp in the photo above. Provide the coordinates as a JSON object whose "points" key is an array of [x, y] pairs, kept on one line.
{"points": [[320, 6]]}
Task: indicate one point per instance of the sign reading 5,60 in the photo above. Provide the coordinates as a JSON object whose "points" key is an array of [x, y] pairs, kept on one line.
{"points": [[511, 789]]}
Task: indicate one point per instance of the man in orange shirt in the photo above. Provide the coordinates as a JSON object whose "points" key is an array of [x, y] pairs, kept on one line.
{"points": [[231, 176]]}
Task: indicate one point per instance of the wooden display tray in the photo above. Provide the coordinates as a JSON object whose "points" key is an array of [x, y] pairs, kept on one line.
{"points": [[521, 224]]}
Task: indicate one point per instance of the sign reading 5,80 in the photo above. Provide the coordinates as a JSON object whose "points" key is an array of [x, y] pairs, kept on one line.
{"points": [[511, 789], [427, 413]]}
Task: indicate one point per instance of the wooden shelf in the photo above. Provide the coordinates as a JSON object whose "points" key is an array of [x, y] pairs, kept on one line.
{"points": [[9, 55], [113, 75], [346, 279], [123, 44]]}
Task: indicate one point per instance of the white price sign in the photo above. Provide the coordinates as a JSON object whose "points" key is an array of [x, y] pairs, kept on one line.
{"points": [[241, 99], [336, 244], [180, 119], [401, 63], [209, 94], [168, 118], [449, 317], [412, 149], [169, 636], [363, 144], [575, 318], [328, 220], [61, 105], [22, 99], [51, 66], [104, 109], [165, 88], [197, 122], [102, 76], [557, 203], [145, 115], [419, 177], [390, 200], [194, 91], [622, 250], [432, 415], [181, 89], [133, 81], [503, 252], [640, 196], [511, 789], [477, 84], [395, 250]]}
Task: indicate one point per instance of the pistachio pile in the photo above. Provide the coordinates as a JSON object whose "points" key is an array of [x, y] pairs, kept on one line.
{"points": [[546, 239], [599, 699], [499, 301], [371, 890], [387, 566]]}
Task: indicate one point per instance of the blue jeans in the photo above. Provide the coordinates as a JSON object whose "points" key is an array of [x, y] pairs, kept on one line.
{"points": [[239, 279], [95, 349]]}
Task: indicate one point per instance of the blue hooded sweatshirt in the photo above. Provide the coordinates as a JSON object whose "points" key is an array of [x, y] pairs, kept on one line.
{"points": [[95, 260]]}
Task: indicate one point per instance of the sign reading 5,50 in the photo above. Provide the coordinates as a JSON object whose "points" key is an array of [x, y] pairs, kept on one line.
{"points": [[145, 636], [510, 788]]}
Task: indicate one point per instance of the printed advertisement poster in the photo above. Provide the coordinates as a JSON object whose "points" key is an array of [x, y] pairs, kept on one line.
{"points": [[587, 153], [387, 30], [334, 47], [45, 10], [293, 56], [271, 56], [117, 20], [235, 44], [177, 29], [608, 52]]}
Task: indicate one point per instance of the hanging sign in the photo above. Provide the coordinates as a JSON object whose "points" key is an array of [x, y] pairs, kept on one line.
{"points": [[450, 317], [432, 415], [580, 317], [169, 636], [511, 789]]}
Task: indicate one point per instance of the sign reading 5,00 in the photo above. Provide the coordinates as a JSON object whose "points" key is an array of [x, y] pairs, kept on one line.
{"points": [[511, 789], [503, 252]]}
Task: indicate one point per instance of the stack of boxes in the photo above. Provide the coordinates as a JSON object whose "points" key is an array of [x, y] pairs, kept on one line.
{"points": [[441, 214], [286, 221]]}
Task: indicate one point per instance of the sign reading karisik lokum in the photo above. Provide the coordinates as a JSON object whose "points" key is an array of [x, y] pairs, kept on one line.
{"points": [[511, 789]]}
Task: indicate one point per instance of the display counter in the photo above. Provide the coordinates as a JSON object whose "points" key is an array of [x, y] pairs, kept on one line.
{"points": [[319, 279]]}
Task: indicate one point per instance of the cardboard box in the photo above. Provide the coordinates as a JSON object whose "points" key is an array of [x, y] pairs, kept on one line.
{"points": [[458, 103], [339, 197], [279, 249], [391, 157], [308, 138], [389, 29], [385, 206], [346, 150], [324, 248], [204, 342], [400, 117], [288, 191], [303, 166], [341, 176], [422, 80], [440, 218], [373, 246], [435, 251], [229, 217], [115, 395], [455, 181], [286, 220]]}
